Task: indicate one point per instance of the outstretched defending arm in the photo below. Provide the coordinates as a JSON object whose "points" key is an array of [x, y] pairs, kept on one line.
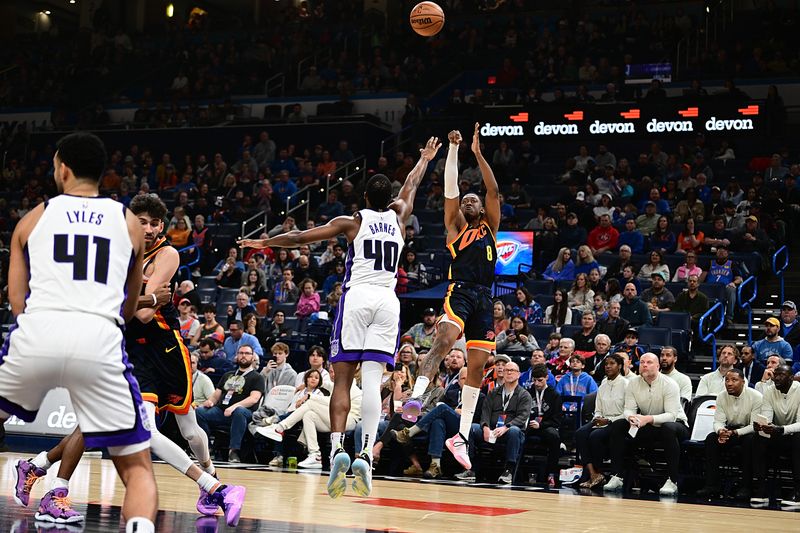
{"points": [[404, 203], [344, 224], [492, 201]]}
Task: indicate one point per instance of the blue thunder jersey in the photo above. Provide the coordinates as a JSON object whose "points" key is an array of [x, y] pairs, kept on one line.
{"points": [[474, 254]]}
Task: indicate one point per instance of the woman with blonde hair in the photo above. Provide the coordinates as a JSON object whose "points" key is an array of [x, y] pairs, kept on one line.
{"points": [[586, 261], [561, 268]]}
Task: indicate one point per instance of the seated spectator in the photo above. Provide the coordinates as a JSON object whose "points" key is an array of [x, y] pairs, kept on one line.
{"points": [[600, 308], [331, 209], [662, 239], [751, 238], [308, 302], [499, 319], [789, 331], [210, 324], [604, 208], [690, 239], [718, 236], [690, 207], [692, 300], [559, 364], [517, 338], [613, 325], [713, 383], [559, 313], [688, 268], [233, 254], [407, 356], [440, 422], [545, 419], [630, 346], [229, 275], [773, 361], [275, 330], [336, 277], [525, 307], [190, 326], [571, 235], [772, 343], [424, 332], [654, 414], [316, 361], [646, 222], [277, 371], [667, 361], [212, 359], [628, 275], [286, 291], [179, 235], [562, 268], [781, 408], [656, 264], [631, 238], [256, 282], [233, 402], [592, 439], [243, 308], [584, 339], [537, 358], [202, 386], [634, 310], [586, 261], [394, 390], [580, 297], [596, 283], [658, 298], [736, 409], [603, 238], [751, 369], [504, 416], [602, 347], [239, 338], [576, 382], [415, 270]]}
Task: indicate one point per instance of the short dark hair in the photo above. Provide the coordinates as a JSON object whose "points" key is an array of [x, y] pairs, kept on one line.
{"points": [[616, 358], [737, 371], [208, 343], [84, 153], [149, 204], [379, 191], [209, 308], [538, 371], [237, 323]]}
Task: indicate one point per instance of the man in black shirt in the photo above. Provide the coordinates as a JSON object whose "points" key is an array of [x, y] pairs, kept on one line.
{"points": [[234, 400], [545, 420]]}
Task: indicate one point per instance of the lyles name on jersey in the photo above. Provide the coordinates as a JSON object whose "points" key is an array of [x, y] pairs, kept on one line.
{"points": [[382, 227], [90, 217]]}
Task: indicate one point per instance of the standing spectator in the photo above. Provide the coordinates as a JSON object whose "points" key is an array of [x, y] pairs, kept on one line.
{"points": [[545, 419], [653, 414], [736, 409]]}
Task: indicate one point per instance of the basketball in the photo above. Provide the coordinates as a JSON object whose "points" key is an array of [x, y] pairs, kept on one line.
{"points": [[427, 19]]}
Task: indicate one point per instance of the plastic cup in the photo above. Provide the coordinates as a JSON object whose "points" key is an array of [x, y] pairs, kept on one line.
{"points": [[291, 462]]}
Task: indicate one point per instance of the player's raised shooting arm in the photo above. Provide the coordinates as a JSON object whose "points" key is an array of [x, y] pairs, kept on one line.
{"points": [[164, 267], [18, 269], [135, 270], [405, 198], [492, 201], [454, 219], [292, 239]]}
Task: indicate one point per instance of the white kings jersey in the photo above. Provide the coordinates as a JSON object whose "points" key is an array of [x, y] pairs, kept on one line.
{"points": [[374, 254], [79, 253]]}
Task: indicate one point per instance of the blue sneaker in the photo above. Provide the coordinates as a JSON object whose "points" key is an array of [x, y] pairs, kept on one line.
{"points": [[337, 483], [362, 470]]}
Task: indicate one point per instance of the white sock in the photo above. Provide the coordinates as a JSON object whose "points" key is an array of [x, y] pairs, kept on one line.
{"points": [[469, 400], [371, 375], [337, 441], [138, 524], [60, 483], [208, 482], [420, 386], [413, 431], [41, 461], [436, 461], [197, 439], [164, 448]]}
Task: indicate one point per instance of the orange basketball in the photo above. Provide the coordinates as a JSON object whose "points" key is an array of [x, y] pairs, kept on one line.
{"points": [[426, 18]]}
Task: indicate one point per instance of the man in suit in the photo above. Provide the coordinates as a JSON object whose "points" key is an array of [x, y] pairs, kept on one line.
{"points": [[752, 369]]}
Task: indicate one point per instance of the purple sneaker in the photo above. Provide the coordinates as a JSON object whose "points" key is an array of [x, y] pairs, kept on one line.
{"points": [[206, 504], [55, 507], [27, 474], [231, 499]]}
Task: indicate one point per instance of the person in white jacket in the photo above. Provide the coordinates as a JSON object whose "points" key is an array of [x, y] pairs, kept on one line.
{"points": [[713, 383]]}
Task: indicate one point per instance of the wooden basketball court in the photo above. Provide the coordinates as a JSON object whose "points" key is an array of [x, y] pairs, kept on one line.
{"points": [[297, 501]]}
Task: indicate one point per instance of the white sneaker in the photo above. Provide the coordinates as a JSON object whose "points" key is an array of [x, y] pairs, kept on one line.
{"points": [[460, 450], [313, 462], [614, 484], [669, 488], [277, 461], [273, 432]]}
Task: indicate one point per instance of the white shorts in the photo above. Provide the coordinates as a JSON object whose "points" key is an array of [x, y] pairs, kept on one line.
{"points": [[84, 354], [367, 326]]}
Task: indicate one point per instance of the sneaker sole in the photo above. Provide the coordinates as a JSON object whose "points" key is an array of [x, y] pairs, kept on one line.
{"points": [[337, 484], [317, 466], [362, 484], [233, 512], [53, 520], [462, 460], [785, 503]]}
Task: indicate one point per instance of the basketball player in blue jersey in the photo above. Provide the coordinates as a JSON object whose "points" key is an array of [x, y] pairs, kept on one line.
{"points": [[367, 328], [74, 262], [471, 228]]}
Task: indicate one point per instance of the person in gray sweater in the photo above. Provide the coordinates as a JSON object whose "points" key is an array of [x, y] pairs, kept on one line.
{"points": [[277, 371], [504, 418]]}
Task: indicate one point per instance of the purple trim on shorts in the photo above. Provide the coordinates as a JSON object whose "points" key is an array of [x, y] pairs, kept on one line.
{"points": [[138, 433], [7, 342], [364, 355], [348, 264], [336, 332]]}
